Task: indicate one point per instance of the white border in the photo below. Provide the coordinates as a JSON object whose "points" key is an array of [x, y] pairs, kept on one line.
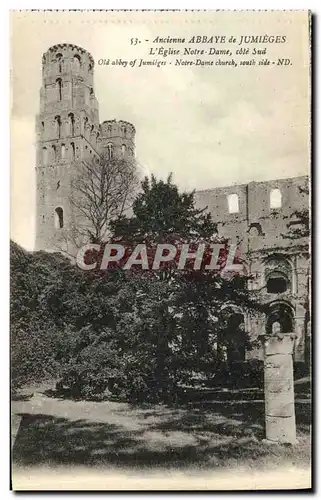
{"points": [[314, 6]]}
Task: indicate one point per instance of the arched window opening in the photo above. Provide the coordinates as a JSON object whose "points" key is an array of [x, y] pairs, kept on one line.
{"points": [[123, 130], [92, 129], [71, 122], [59, 89], [280, 319], [76, 62], [233, 203], [59, 62], [58, 126], [54, 152], [59, 218], [255, 230], [276, 282], [109, 130], [63, 151], [278, 274], [42, 128], [73, 151], [109, 151], [90, 67], [44, 156], [275, 198], [123, 149]]}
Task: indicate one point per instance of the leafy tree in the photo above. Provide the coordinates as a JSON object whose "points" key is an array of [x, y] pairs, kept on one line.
{"points": [[33, 332]]}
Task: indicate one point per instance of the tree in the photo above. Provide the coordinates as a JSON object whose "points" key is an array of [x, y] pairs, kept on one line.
{"points": [[102, 191], [143, 333], [180, 316], [33, 331]]}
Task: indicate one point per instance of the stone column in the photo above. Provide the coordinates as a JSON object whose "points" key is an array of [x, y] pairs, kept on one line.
{"points": [[279, 387]]}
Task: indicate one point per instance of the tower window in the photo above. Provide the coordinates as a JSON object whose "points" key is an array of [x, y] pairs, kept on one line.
{"points": [[109, 129], [109, 151], [85, 124], [275, 198], [73, 151], [44, 156], [42, 127], [59, 89], [58, 126], [123, 130], [233, 203], [63, 151], [71, 123], [90, 67], [59, 218], [59, 62], [54, 152], [123, 149], [76, 62]]}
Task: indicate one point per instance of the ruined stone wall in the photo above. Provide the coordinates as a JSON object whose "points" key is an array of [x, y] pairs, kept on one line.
{"points": [[259, 225]]}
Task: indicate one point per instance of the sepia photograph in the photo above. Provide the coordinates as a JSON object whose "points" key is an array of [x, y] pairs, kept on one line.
{"points": [[160, 276]]}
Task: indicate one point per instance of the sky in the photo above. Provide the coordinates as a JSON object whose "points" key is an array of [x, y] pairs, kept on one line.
{"points": [[209, 126]]}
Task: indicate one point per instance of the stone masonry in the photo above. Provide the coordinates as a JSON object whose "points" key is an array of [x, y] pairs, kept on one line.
{"points": [[69, 132]]}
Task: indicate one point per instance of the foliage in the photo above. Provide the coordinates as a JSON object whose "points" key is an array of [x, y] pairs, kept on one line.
{"points": [[150, 331], [32, 330], [138, 334]]}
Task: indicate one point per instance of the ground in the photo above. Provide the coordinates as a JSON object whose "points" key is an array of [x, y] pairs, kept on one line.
{"points": [[209, 435]]}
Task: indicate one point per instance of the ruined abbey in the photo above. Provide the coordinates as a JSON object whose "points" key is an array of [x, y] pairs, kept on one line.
{"points": [[259, 215]]}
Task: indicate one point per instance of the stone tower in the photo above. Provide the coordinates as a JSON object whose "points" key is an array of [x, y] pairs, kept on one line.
{"points": [[68, 132]]}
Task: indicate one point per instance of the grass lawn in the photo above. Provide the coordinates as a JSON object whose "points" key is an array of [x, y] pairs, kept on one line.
{"points": [[55, 432]]}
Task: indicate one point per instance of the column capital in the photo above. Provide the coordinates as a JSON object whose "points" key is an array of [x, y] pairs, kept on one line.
{"points": [[279, 343]]}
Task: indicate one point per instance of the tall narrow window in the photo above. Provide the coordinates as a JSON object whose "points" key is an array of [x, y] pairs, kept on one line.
{"points": [[123, 149], [59, 62], [73, 151], [59, 218], [85, 125], [59, 89], [42, 128], [123, 130], [109, 151], [71, 122], [233, 203], [76, 62], [109, 130], [275, 198], [63, 151], [58, 126], [44, 156], [53, 153]]}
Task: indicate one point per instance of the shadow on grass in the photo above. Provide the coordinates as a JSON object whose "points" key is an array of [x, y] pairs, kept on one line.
{"points": [[172, 438]]}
